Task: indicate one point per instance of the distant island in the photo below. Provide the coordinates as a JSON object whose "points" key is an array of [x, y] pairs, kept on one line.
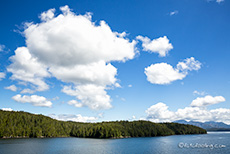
{"points": [[209, 126], [14, 124]]}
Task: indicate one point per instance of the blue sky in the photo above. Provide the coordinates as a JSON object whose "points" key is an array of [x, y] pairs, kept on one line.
{"points": [[116, 60]]}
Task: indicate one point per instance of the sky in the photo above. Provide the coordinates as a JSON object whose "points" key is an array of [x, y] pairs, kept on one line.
{"points": [[93, 61]]}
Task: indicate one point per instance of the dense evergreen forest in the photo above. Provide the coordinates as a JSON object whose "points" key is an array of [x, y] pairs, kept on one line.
{"points": [[23, 124]]}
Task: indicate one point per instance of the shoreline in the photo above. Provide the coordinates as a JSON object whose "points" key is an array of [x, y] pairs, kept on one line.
{"points": [[121, 137]]}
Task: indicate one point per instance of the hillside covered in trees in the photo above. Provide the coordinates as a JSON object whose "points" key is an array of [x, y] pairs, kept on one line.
{"points": [[23, 124]]}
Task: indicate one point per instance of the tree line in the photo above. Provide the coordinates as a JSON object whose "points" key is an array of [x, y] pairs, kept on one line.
{"points": [[23, 124]]}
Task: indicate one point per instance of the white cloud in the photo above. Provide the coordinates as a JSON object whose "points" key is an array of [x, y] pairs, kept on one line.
{"points": [[73, 49], [48, 15], [75, 103], [163, 73], [12, 88], [130, 86], [160, 113], [35, 100], [70, 39], [93, 96], [98, 73], [160, 45], [202, 93], [2, 47], [7, 109], [189, 64], [207, 100], [219, 1], [26, 68], [174, 13], [72, 117], [28, 91], [2, 75]]}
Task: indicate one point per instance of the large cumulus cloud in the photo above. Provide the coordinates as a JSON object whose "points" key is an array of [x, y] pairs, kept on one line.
{"points": [[74, 49]]}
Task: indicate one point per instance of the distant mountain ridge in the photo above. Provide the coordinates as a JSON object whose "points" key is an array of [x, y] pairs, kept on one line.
{"points": [[211, 125]]}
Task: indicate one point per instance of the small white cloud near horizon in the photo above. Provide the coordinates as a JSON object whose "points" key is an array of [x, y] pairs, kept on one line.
{"points": [[160, 45], [163, 73], [73, 117], [160, 113], [12, 88], [35, 100], [173, 13], [207, 100], [7, 109]]}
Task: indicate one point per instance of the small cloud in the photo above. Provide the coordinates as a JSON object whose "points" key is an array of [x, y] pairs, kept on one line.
{"points": [[160, 45], [29, 91], [7, 109], [12, 88], [163, 73], [73, 117], [130, 85], [174, 13], [35, 100], [2, 75], [207, 100], [2, 47], [123, 99], [117, 85], [55, 98], [101, 115], [75, 103], [202, 93], [219, 1]]}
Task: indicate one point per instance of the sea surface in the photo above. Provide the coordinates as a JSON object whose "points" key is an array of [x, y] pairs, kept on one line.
{"points": [[211, 143]]}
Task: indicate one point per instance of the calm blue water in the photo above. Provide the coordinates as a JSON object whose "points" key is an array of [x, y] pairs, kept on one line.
{"points": [[211, 143]]}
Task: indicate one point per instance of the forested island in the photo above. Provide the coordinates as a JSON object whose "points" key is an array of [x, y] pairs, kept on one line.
{"points": [[19, 124]]}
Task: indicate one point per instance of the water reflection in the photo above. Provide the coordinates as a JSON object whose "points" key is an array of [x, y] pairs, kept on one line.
{"points": [[168, 144]]}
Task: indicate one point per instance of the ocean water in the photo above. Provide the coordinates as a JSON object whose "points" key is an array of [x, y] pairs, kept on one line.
{"points": [[211, 143]]}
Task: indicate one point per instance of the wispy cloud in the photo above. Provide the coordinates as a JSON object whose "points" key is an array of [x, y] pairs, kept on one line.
{"points": [[12, 88], [2, 47], [173, 13], [2, 75], [219, 1], [202, 93], [73, 117]]}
